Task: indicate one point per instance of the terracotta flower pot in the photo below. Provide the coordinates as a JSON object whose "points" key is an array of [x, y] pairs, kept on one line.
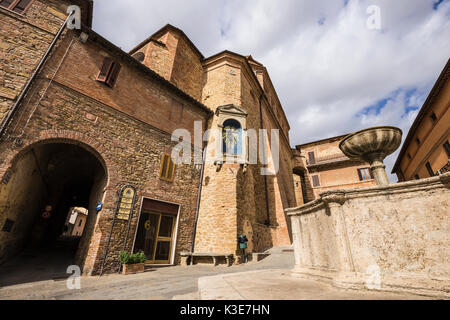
{"points": [[133, 268]]}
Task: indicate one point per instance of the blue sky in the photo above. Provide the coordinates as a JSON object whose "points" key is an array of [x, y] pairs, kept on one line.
{"points": [[332, 73]]}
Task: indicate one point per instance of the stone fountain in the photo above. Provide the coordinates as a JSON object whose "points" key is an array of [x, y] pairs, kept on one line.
{"points": [[373, 145]]}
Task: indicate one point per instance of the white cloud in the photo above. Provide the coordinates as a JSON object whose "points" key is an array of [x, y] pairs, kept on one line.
{"points": [[326, 65]]}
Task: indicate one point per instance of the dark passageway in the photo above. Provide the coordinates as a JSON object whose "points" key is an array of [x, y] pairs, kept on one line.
{"points": [[47, 181]]}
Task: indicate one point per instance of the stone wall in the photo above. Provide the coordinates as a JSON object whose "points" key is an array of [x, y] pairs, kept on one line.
{"points": [[392, 238], [24, 38], [127, 127], [170, 54]]}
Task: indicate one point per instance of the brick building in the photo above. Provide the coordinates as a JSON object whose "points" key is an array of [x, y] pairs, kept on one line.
{"points": [[85, 124], [426, 150], [322, 166]]}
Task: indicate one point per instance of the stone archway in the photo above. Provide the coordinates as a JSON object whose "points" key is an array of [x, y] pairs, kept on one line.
{"points": [[61, 169]]}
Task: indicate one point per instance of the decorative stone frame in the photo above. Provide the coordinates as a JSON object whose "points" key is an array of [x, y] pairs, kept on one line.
{"points": [[227, 112]]}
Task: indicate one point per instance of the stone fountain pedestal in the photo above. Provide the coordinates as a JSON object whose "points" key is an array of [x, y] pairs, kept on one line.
{"points": [[373, 145]]}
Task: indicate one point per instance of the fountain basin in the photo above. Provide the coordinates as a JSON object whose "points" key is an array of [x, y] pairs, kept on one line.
{"points": [[373, 145]]}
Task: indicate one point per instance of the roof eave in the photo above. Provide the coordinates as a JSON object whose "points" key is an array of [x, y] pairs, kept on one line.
{"points": [[438, 85]]}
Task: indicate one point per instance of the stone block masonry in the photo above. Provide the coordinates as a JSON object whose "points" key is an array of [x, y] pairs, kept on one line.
{"points": [[390, 238]]}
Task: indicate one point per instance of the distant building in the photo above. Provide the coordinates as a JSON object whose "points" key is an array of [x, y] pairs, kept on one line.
{"points": [[328, 168], [426, 150], [75, 222]]}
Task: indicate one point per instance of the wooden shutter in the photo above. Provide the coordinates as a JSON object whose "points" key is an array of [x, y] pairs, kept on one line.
{"points": [[167, 168], [311, 157], [360, 175], [164, 165], [21, 6], [112, 78], [105, 69], [6, 3], [316, 182], [170, 170]]}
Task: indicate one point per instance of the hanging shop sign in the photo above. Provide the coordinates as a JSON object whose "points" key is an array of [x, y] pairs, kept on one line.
{"points": [[126, 203]]}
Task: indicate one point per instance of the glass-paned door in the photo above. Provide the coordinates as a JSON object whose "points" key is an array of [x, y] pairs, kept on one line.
{"points": [[155, 236]]}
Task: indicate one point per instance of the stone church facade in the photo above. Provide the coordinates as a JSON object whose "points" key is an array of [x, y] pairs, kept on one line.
{"points": [[86, 124]]}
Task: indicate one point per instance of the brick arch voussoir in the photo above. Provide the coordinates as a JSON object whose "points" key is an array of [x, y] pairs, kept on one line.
{"points": [[72, 137]]}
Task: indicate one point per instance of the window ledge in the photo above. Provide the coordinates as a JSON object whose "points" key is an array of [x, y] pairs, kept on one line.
{"points": [[21, 15]]}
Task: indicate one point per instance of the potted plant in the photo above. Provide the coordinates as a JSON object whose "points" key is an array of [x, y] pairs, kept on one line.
{"points": [[132, 263]]}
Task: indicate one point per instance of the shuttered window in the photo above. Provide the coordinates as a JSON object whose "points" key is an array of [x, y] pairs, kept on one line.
{"points": [[311, 157], [364, 174], [109, 72], [19, 6], [167, 168], [315, 180]]}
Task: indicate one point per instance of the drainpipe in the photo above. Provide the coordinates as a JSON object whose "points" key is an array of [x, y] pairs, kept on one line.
{"points": [[264, 153], [200, 185], [33, 76]]}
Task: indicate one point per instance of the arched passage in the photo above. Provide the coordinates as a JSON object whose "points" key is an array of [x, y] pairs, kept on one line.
{"points": [[50, 176]]}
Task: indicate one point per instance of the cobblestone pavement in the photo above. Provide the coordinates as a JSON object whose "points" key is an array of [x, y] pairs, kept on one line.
{"points": [[175, 282]]}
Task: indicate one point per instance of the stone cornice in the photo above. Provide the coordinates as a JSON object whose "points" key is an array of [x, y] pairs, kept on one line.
{"points": [[341, 196]]}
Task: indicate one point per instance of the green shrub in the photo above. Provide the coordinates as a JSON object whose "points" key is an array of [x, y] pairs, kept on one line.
{"points": [[127, 258]]}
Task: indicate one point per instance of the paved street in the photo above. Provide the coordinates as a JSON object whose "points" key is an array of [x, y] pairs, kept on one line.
{"points": [[159, 283], [268, 279]]}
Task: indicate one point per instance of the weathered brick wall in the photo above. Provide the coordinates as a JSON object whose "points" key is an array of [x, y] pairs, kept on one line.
{"points": [[129, 126], [187, 72], [160, 55], [234, 202], [173, 58], [24, 38], [217, 223], [15, 200]]}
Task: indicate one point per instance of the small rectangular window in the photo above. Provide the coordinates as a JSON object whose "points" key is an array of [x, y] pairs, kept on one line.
{"points": [[409, 156], [430, 170], [109, 72], [447, 148], [167, 168], [311, 157], [81, 221], [416, 177], [18, 6], [365, 174], [316, 182]]}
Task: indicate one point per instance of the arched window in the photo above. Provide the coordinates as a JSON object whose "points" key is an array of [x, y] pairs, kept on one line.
{"points": [[232, 137]]}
